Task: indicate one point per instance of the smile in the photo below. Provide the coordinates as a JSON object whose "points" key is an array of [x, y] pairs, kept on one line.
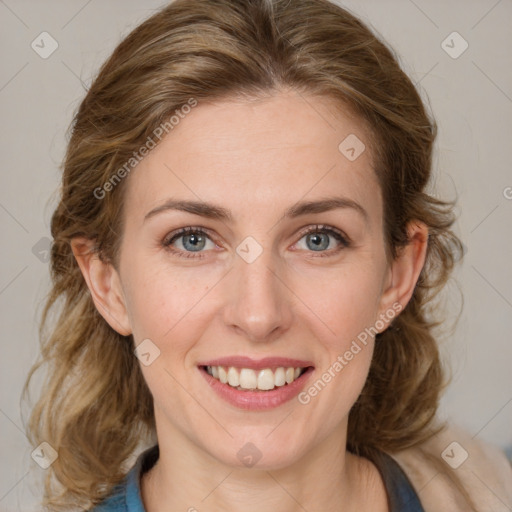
{"points": [[249, 379], [256, 385]]}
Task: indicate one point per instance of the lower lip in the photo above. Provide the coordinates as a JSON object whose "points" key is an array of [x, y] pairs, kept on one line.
{"points": [[257, 400]]}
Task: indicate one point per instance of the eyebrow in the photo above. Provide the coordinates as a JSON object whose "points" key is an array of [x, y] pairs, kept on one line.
{"points": [[212, 211]]}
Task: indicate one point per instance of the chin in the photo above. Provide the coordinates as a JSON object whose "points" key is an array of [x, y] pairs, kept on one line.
{"points": [[258, 451]]}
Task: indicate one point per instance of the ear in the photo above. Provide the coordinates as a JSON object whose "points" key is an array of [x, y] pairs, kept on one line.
{"points": [[403, 273], [104, 284]]}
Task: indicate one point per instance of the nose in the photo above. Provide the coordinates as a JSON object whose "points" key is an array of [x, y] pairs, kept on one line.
{"points": [[257, 303]]}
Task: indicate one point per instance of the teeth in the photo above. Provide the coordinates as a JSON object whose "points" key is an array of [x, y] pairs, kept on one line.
{"points": [[223, 376], [247, 378], [266, 379], [233, 377], [279, 377]]}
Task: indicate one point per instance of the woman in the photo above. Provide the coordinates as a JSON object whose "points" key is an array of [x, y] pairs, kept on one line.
{"points": [[245, 259]]}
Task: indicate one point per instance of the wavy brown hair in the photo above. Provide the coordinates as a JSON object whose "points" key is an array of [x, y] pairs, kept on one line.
{"points": [[95, 407]]}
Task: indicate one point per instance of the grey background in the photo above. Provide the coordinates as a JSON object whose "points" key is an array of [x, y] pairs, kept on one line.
{"points": [[471, 97]]}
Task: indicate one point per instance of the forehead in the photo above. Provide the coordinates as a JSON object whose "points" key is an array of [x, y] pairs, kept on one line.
{"points": [[259, 155]]}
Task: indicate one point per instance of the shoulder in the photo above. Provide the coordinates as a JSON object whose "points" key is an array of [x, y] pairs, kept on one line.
{"points": [[126, 496], [115, 502], [454, 471]]}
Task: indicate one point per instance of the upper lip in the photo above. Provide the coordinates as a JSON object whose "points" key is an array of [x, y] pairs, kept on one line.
{"points": [[257, 364]]}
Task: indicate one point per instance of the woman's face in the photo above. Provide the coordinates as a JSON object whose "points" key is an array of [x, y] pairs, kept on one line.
{"points": [[249, 282]]}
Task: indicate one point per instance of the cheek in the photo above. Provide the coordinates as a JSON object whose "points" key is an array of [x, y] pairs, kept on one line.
{"points": [[166, 303], [345, 310], [344, 302]]}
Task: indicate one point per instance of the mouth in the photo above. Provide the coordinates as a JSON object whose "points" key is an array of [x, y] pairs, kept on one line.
{"points": [[256, 385], [248, 379]]}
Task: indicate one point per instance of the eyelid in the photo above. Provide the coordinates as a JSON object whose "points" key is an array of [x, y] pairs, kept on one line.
{"points": [[326, 228], [184, 231]]}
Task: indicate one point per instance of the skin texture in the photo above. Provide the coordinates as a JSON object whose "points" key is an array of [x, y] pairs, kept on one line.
{"points": [[255, 158]]}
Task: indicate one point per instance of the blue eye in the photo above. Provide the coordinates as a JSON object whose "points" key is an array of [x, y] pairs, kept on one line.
{"points": [[195, 239], [317, 240]]}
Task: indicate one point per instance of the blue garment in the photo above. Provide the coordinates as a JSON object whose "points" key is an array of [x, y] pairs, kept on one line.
{"points": [[126, 497]]}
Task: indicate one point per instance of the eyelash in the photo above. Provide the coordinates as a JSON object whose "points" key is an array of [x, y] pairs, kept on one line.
{"points": [[197, 230]]}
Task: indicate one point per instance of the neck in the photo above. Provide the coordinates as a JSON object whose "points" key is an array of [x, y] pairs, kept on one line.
{"points": [[327, 478]]}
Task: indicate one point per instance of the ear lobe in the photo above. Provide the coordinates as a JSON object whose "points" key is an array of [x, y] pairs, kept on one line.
{"points": [[404, 272], [104, 284]]}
